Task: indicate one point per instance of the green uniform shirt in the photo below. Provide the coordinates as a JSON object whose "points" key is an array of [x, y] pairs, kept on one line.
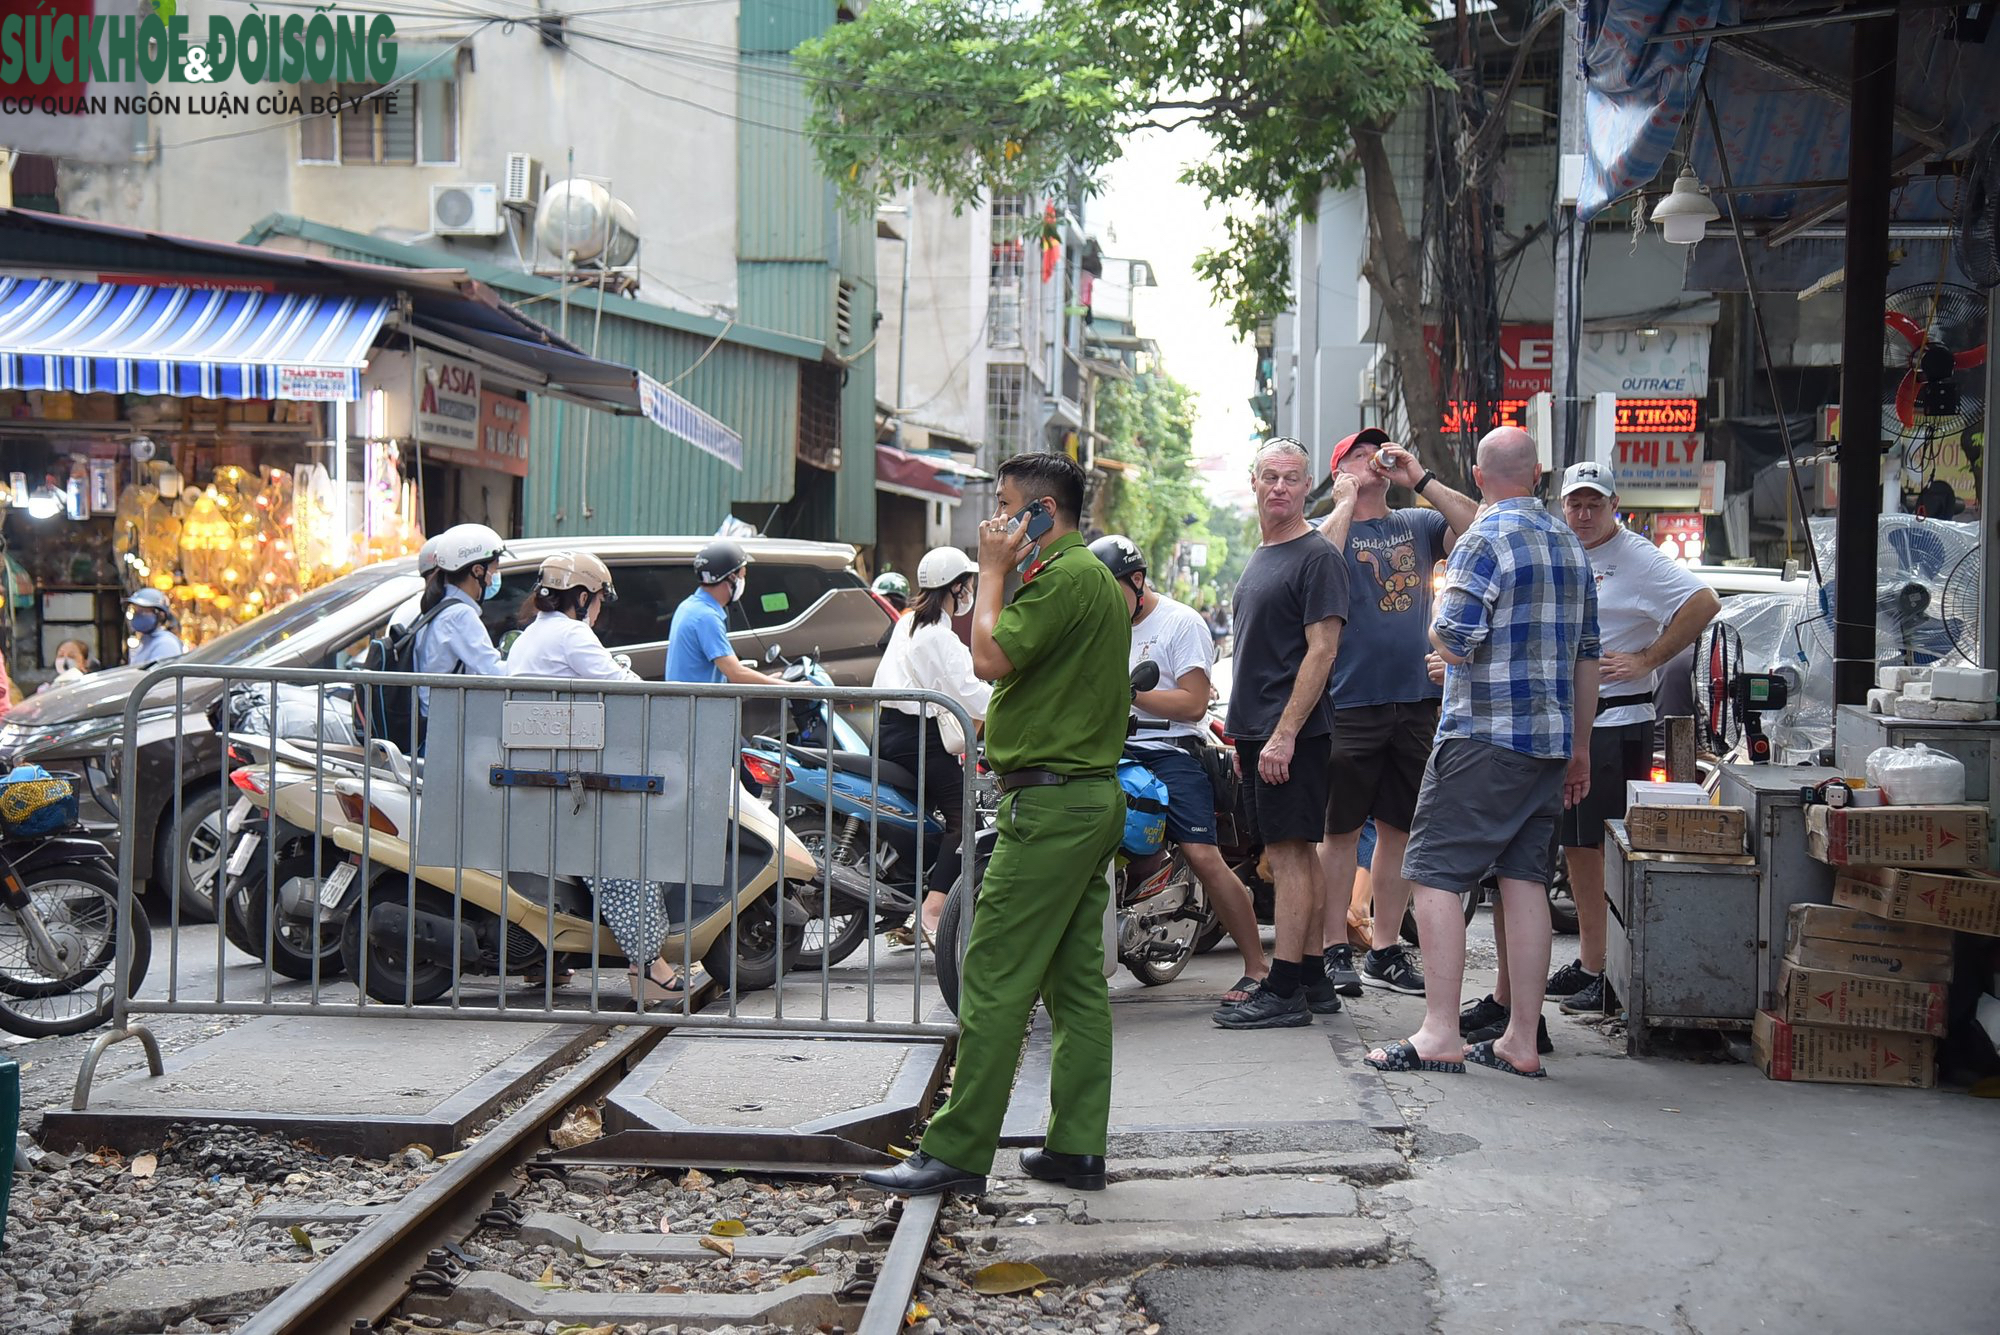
{"points": [[1068, 635]]}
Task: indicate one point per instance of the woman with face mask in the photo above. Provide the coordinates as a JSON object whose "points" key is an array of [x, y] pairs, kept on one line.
{"points": [[73, 663], [152, 620], [925, 654], [450, 636]]}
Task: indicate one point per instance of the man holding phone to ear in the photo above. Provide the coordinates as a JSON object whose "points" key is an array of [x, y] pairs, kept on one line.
{"points": [[1055, 729]]}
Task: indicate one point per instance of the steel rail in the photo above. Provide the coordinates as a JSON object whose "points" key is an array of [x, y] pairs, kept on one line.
{"points": [[896, 1282], [367, 1277]]}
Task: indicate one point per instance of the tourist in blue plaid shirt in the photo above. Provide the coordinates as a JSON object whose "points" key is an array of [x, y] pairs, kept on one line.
{"points": [[1517, 625]]}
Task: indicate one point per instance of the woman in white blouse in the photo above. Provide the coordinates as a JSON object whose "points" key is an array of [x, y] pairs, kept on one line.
{"points": [[571, 591], [925, 654]]}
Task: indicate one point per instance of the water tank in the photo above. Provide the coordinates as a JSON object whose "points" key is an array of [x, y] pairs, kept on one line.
{"points": [[579, 218]]}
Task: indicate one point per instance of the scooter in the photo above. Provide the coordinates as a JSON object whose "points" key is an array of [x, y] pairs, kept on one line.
{"points": [[59, 920], [411, 932], [1162, 913]]}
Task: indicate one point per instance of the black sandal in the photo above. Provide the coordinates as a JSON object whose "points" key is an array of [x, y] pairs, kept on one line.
{"points": [[1242, 991], [1482, 1054], [1402, 1056]]}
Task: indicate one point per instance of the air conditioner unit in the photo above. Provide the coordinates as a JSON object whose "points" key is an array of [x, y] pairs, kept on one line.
{"points": [[472, 209], [522, 187]]}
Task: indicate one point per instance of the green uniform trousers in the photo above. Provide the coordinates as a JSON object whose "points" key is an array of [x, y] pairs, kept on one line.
{"points": [[1038, 931]]}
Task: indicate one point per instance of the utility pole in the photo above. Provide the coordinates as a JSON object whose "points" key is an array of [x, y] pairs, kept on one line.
{"points": [[1564, 448], [903, 312]]}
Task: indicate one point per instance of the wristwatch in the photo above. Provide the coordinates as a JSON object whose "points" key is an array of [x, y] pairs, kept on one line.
{"points": [[1424, 481]]}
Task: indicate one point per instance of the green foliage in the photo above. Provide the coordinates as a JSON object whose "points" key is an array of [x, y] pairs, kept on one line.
{"points": [[1148, 424], [973, 96]]}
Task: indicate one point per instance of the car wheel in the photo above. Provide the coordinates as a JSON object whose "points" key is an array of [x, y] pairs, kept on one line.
{"points": [[191, 844]]}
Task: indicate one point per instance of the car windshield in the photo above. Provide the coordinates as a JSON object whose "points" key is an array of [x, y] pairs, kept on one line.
{"points": [[255, 638]]}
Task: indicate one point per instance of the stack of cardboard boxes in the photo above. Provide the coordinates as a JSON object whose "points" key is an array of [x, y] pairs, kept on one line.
{"points": [[1862, 993]]}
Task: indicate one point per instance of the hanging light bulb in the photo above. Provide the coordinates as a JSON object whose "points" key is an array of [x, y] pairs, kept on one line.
{"points": [[44, 503], [1685, 214]]}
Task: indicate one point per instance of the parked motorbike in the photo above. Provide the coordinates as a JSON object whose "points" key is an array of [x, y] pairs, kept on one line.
{"points": [[423, 930], [1162, 913], [59, 917]]}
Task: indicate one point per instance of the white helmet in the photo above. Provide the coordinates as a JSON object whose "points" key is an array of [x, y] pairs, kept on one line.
{"points": [[466, 545], [427, 556], [943, 567]]}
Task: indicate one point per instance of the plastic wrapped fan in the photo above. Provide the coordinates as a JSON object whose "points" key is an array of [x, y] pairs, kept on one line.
{"points": [[304, 713], [1774, 638], [1911, 776]]}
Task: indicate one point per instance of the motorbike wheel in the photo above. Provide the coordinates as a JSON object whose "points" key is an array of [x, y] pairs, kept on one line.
{"points": [[248, 904], [1154, 972], [193, 835], [828, 938], [1470, 900], [953, 933], [384, 980], [1562, 899], [757, 959], [78, 904]]}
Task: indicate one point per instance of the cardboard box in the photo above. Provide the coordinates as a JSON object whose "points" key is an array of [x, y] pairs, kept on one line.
{"points": [[1842, 1056], [1856, 1001], [1944, 836], [1832, 922], [1638, 792], [1703, 829], [1877, 959], [1967, 901], [97, 407]]}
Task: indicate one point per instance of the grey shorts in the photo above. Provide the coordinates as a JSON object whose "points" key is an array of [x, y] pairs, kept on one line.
{"points": [[1484, 808]]}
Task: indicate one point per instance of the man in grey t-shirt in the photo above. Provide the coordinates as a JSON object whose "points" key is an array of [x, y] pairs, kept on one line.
{"points": [[1385, 707]]}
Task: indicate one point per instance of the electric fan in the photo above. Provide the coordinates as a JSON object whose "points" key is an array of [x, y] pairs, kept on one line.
{"points": [[1935, 337], [1731, 701], [1979, 213]]}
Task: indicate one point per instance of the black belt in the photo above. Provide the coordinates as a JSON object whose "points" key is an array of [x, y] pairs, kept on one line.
{"points": [[1620, 701], [1032, 778]]}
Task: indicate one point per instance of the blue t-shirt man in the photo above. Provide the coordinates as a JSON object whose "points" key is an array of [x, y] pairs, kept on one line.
{"points": [[1389, 564], [698, 636]]}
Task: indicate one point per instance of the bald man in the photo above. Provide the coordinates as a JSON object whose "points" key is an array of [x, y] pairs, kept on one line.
{"points": [[1517, 629]]}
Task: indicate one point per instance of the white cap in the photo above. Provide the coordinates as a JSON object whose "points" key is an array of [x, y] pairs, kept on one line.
{"points": [[1596, 476]]}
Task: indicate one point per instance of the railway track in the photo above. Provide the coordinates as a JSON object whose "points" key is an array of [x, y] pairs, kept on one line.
{"points": [[460, 1245]]}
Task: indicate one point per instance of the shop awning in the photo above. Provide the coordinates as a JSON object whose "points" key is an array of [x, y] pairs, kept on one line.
{"points": [[203, 342], [904, 474]]}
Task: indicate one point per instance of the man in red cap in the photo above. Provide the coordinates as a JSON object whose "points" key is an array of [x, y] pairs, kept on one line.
{"points": [[1385, 705]]}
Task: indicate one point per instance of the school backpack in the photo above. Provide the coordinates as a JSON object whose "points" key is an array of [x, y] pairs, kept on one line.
{"points": [[392, 712], [1145, 809]]}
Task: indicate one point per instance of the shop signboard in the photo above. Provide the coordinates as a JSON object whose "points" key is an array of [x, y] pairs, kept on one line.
{"points": [[447, 402], [314, 384], [1645, 369], [1657, 470], [502, 440], [1679, 536]]}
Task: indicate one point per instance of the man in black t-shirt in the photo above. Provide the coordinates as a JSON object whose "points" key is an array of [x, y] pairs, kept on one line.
{"points": [[1288, 610]]}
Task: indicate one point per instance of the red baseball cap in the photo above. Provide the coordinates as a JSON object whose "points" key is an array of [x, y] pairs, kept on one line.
{"points": [[1367, 435]]}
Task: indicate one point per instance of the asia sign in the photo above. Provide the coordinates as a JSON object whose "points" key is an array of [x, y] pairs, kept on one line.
{"points": [[503, 438], [447, 402]]}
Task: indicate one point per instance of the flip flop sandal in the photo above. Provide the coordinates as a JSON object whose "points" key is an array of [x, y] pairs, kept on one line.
{"points": [[1482, 1054], [1402, 1056], [1240, 993]]}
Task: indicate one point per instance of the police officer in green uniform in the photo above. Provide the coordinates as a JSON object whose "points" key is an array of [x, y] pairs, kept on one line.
{"points": [[1054, 732]]}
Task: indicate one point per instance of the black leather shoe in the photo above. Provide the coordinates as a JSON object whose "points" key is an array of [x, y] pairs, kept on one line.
{"points": [[921, 1175], [1085, 1172]]}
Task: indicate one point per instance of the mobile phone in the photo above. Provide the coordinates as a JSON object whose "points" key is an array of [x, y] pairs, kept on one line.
{"points": [[1039, 521]]}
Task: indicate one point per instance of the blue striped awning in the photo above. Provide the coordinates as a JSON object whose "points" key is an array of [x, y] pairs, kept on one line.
{"points": [[194, 342]]}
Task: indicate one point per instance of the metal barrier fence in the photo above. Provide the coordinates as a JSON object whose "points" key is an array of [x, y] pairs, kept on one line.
{"points": [[494, 863]]}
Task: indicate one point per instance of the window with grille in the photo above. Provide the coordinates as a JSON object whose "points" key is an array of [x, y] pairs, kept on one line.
{"points": [[1006, 409], [819, 416], [843, 312], [415, 123], [1009, 236]]}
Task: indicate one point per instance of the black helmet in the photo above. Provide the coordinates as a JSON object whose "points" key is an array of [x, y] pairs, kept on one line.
{"points": [[719, 560], [1120, 554]]}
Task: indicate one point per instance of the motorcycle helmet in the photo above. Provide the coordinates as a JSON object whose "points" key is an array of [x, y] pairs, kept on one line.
{"points": [[943, 567], [1120, 554], [148, 598], [463, 546], [719, 560], [427, 556], [891, 585], [577, 570]]}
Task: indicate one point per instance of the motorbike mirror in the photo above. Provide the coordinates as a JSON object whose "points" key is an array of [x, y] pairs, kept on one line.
{"points": [[1146, 676], [773, 654]]}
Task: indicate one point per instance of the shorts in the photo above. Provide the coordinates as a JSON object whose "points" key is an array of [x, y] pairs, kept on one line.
{"points": [[1484, 808], [1379, 752], [1294, 810], [1190, 796], [1617, 753]]}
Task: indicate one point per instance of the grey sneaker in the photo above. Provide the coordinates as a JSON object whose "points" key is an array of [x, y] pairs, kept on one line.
{"points": [[1323, 997], [1596, 999], [1569, 980], [1392, 969], [1340, 970], [1266, 1010]]}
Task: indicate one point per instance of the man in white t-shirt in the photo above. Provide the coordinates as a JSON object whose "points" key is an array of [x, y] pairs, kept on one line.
{"points": [[1649, 608], [1176, 638]]}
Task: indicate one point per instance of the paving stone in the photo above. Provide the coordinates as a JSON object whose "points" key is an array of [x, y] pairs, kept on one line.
{"points": [[1079, 1253], [1238, 1300], [1192, 1200], [151, 1300]]}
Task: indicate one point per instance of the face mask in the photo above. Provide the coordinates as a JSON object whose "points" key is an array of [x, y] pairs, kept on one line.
{"points": [[492, 589], [962, 604], [736, 589], [65, 665], [145, 622]]}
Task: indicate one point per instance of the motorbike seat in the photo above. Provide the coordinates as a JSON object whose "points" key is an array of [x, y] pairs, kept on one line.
{"points": [[567, 893], [860, 764]]}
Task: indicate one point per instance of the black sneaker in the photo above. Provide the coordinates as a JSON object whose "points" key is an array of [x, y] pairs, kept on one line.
{"points": [[1480, 1014], [1340, 968], [1569, 980], [1323, 997], [1487, 1033], [1597, 999], [1392, 969], [1266, 1010]]}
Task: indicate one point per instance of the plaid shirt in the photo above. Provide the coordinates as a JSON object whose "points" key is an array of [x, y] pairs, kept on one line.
{"points": [[1520, 606]]}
